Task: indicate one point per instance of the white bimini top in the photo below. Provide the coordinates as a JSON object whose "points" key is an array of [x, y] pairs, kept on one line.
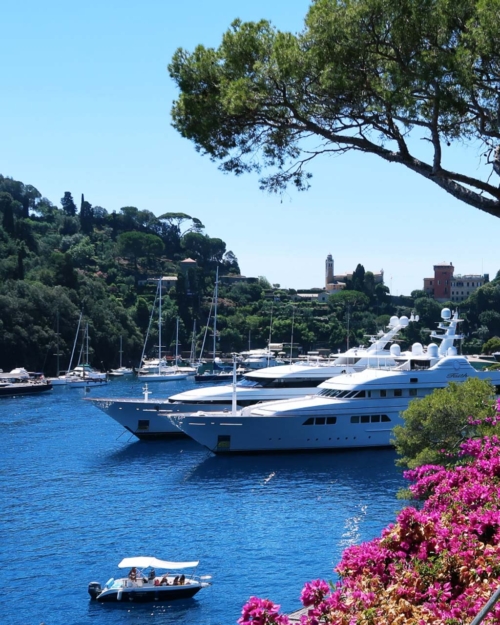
{"points": [[143, 562]]}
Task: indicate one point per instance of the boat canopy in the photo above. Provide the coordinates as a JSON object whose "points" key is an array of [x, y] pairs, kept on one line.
{"points": [[143, 562]]}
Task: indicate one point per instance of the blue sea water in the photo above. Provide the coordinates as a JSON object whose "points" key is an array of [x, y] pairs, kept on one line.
{"points": [[78, 494]]}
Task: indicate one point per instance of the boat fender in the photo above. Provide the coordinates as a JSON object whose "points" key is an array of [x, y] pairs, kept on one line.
{"points": [[119, 595]]}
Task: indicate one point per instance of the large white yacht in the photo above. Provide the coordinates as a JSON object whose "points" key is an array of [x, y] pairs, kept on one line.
{"points": [[354, 410], [140, 417]]}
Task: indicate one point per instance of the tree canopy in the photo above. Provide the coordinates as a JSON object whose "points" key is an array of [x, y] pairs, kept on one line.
{"points": [[443, 420], [372, 76]]}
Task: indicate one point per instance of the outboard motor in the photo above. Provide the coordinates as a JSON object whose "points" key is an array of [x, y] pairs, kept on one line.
{"points": [[94, 589]]}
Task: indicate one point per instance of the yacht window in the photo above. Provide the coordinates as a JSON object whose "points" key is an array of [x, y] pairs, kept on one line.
{"points": [[142, 425], [246, 383], [361, 394], [320, 420], [413, 380], [385, 418], [365, 418], [398, 392], [309, 421], [354, 419], [375, 418], [331, 420], [413, 392], [327, 392], [369, 394], [383, 393]]}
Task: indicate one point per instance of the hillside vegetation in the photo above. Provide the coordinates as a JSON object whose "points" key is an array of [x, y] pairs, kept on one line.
{"points": [[57, 261]]}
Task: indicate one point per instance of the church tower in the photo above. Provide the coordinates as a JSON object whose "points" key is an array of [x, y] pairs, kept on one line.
{"points": [[328, 270]]}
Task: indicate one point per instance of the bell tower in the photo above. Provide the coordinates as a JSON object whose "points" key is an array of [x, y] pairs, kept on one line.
{"points": [[328, 270]]}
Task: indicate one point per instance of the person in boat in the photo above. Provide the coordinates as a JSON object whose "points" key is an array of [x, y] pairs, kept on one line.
{"points": [[133, 574], [176, 580], [182, 579], [164, 581], [152, 575]]}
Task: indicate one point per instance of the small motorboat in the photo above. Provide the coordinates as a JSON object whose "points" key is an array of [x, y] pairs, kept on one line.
{"points": [[143, 584], [121, 371]]}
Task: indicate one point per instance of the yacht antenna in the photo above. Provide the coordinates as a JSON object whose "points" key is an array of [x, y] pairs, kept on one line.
{"points": [[291, 338]]}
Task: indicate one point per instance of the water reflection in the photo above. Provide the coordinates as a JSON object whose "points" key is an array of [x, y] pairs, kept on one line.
{"points": [[364, 468], [173, 612], [152, 451]]}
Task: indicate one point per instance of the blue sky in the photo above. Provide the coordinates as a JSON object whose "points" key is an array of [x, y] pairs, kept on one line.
{"points": [[85, 108]]}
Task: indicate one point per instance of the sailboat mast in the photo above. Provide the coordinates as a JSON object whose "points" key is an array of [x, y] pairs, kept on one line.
{"points": [[270, 336], [76, 339], [87, 343], [215, 310], [192, 355], [160, 283], [176, 341], [57, 343]]}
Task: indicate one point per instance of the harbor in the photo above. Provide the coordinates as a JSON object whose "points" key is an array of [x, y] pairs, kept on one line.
{"points": [[91, 494]]}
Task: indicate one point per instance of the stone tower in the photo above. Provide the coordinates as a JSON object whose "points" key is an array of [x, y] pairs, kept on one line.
{"points": [[328, 270]]}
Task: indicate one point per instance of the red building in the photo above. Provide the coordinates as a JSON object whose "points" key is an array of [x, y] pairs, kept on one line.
{"points": [[446, 287]]}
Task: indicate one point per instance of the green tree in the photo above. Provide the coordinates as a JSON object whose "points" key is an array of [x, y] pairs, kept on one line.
{"points": [[441, 421], [68, 204], [345, 300], [492, 345], [175, 220], [135, 245], [7, 210], [418, 293], [370, 76], [86, 216]]}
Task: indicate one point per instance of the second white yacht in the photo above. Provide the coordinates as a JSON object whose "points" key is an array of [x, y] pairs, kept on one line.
{"points": [[351, 411], [141, 417]]}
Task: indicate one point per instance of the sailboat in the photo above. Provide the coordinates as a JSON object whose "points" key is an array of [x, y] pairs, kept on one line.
{"points": [[161, 373], [59, 379], [83, 375], [121, 369], [218, 372]]}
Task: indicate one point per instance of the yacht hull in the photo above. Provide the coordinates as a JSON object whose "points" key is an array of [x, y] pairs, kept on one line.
{"points": [[139, 417], [24, 388], [252, 435]]}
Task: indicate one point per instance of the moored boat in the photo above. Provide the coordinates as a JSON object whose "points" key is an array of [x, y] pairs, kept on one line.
{"points": [[143, 584], [20, 382], [142, 418], [354, 410]]}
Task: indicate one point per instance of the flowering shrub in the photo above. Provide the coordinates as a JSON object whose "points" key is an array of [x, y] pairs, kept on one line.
{"points": [[435, 566]]}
